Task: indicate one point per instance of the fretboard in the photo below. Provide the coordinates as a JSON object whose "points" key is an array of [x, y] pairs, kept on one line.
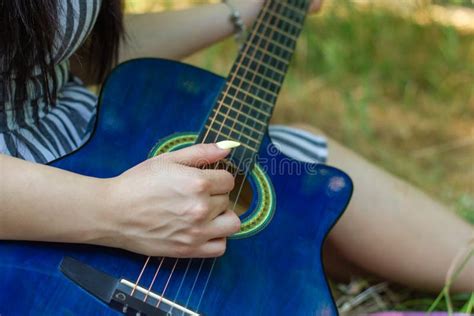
{"points": [[243, 108]]}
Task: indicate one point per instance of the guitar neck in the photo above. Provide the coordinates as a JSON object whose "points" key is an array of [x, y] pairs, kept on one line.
{"points": [[243, 109]]}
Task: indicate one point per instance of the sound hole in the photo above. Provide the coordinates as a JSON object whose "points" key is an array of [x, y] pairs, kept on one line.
{"points": [[242, 192], [244, 200]]}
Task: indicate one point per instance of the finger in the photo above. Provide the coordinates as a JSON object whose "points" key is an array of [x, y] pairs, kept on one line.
{"points": [[220, 181], [212, 248], [198, 155], [224, 225], [218, 204], [316, 6]]}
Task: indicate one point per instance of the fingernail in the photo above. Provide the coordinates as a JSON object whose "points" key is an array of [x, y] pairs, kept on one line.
{"points": [[227, 144]]}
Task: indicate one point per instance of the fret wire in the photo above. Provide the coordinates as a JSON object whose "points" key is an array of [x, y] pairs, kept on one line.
{"points": [[252, 85], [302, 5], [263, 68], [292, 8], [286, 19], [278, 58], [271, 68], [236, 64], [263, 124], [274, 42], [228, 135], [243, 78], [260, 83], [260, 62], [262, 117], [275, 38], [281, 32], [288, 25], [271, 63], [278, 38], [239, 62], [282, 56], [251, 106], [253, 129], [286, 54], [260, 77], [267, 73], [254, 94], [283, 42], [258, 38], [283, 26]]}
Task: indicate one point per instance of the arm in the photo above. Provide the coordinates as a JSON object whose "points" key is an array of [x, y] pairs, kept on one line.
{"points": [[174, 34], [173, 209], [177, 34], [38, 202]]}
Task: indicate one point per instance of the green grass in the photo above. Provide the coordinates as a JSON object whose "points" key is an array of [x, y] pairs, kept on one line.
{"points": [[399, 93]]}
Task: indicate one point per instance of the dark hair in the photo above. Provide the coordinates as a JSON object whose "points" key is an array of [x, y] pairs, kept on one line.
{"points": [[28, 29]]}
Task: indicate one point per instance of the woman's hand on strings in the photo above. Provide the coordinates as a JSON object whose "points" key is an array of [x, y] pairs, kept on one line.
{"points": [[168, 206]]}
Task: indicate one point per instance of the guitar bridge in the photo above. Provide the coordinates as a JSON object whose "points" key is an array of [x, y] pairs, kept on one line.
{"points": [[122, 295]]}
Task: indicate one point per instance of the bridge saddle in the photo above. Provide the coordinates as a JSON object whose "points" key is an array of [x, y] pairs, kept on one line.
{"points": [[122, 295]]}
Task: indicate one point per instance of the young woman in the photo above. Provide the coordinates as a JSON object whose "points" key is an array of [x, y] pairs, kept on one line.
{"points": [[167, 206]]}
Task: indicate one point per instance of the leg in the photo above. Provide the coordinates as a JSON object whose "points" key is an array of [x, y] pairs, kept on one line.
{"points": [[394, 231]]}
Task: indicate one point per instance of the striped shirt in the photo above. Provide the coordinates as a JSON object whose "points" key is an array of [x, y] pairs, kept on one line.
{"points": [[42, 133]]}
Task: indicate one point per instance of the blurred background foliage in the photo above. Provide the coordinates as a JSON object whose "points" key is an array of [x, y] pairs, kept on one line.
{"points": [[392, 84], [394, 81]]}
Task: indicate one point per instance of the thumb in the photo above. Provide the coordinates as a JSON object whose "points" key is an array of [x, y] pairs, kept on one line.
{"points": [[202, 154]]}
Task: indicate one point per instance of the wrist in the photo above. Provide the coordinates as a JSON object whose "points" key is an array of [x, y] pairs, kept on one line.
{"points": [[99, 212], [248, 10]]}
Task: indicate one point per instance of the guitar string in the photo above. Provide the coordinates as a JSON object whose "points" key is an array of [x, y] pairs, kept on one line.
{"points": [[169, 277], [221, 102], [277, 13], [205, 285], [204, 138], [192, 288], [219, 132], [180, 285], [237, 66], [254, 74], [259, 66], [238, 194], [140, 276], [203, 260], [167, 283], [226, 117], [244, 151], [153, 281]]}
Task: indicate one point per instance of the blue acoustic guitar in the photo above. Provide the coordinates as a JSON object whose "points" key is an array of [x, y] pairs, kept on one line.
{"points": [[272, 266]]}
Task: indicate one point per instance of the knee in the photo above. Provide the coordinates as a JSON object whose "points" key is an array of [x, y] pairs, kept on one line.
{"points": [[308, 128]]}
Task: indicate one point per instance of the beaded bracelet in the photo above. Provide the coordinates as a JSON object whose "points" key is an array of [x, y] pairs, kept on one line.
{"points": [[236, 20]]}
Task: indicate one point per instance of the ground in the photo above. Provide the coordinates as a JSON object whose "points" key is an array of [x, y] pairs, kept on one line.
{"points": [[398, 92]]}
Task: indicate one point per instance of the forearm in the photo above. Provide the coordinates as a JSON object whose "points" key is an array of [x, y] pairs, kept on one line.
{"points": [[42, 203], [177, 34]]}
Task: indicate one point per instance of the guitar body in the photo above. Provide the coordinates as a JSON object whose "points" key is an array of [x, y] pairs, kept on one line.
{"points": [[274, 270]]}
